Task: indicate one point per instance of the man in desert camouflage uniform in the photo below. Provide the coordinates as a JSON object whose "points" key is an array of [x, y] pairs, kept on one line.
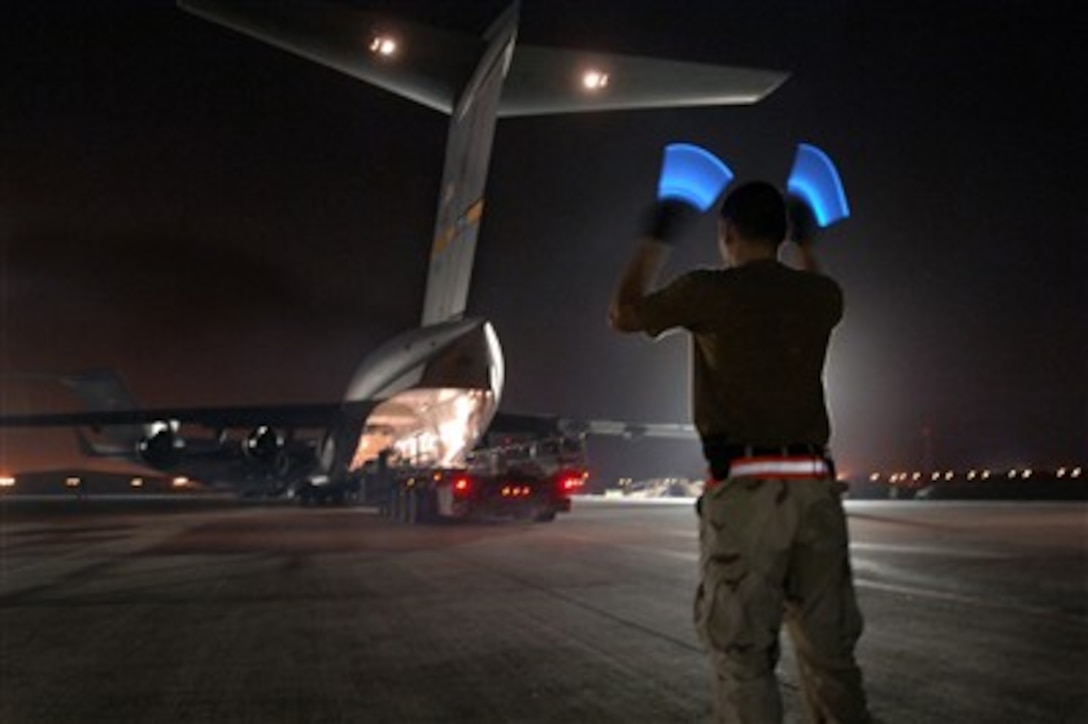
{"points": [[772, 531]]}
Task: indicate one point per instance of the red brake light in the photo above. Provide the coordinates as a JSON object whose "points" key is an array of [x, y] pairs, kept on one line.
{"points": [[461, 487], [571, 482]]}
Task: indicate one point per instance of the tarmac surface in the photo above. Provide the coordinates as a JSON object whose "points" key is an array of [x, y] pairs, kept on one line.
{"points": [[221, 611]]}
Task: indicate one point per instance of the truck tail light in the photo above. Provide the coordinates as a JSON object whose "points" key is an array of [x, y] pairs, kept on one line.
{"points": [[571, 482], [461, 487]]}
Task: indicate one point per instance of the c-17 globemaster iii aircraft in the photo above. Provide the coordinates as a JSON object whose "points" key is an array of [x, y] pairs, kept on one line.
{"points": [[431, 393]]}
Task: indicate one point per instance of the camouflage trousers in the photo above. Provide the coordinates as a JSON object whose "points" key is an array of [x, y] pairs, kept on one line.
{"points": [[774, 551]]}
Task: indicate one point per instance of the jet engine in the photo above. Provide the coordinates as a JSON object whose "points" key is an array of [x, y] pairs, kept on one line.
{"points": [[263, 445], [162, 447]]}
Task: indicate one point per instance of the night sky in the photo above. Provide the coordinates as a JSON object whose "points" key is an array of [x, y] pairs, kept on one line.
{"points": [[224, 223]]}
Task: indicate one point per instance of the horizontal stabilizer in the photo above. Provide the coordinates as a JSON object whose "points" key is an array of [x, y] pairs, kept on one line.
{"points": [[431, 66], [423, 64], [557, 80]]}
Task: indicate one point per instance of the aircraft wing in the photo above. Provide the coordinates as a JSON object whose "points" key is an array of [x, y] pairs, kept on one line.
{"points": [[291, 416], [430, 66], [631, 430], [512, 422]]}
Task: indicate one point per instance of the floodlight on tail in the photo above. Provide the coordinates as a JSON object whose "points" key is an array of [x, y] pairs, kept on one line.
{"points": [[693, 175], [815, 180]]}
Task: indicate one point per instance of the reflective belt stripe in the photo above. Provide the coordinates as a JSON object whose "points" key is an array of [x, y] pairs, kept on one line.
{"points": [[799, 467]]}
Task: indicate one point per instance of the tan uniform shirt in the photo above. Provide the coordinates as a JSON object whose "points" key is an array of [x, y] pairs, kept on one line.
{"points": [[760, 335]]}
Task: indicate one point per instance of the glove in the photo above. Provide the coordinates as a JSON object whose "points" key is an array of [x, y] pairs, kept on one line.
{"points": [[667, 219], [802, 227]]}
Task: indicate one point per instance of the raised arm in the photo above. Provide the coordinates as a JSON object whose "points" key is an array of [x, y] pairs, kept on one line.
{"points": [[664, 222], [803, 231], [638, 280]]}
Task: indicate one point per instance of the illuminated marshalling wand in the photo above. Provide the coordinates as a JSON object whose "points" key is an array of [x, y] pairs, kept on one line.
{"points": [[431, 393]]}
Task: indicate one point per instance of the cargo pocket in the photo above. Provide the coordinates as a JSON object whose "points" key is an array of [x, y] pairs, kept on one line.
{"points": [[737, 614], [719, 613]]}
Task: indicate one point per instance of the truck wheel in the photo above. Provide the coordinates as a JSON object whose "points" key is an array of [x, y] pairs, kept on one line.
{"points": [[425, 505], [546, 517], [397, 505]]}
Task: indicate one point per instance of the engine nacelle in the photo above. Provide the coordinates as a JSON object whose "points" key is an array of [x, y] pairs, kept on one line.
{"points": [[263, 445], [162, 448]]}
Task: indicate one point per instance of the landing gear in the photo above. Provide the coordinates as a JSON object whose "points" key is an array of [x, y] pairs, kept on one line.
{"points": [[342, 493], [411, 505], [546, 516]]}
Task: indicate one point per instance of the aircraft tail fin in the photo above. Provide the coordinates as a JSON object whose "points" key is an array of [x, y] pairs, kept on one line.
{"points": [[105, 391], [464, 175], [477, 81]]}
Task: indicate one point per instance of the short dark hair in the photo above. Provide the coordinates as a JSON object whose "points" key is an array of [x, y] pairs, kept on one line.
{"points": [[758, 211]]}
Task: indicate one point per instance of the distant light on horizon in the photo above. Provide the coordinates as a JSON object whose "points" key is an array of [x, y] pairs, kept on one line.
{"points": [[1024, 473]]}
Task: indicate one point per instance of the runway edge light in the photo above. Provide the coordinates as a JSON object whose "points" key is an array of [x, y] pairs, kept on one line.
{"points": [[815, 179], [693, 175]]}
